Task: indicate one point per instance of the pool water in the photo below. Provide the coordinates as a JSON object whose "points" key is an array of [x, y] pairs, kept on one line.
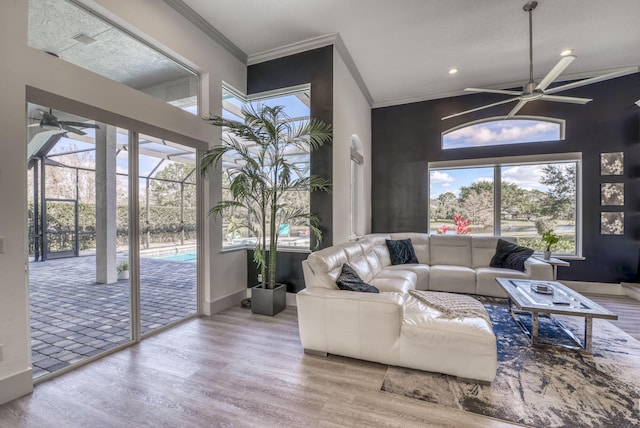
{"points": [[182, 257]]}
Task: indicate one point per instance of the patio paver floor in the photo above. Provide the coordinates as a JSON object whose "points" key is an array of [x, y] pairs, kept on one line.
{"points": [[73, 317]]}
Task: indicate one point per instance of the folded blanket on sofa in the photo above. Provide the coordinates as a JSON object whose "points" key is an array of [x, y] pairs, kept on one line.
{"points": [[452, 305]]}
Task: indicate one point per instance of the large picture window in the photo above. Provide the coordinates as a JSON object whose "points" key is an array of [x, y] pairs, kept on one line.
{"points": [[296, 103], [517, 197]]}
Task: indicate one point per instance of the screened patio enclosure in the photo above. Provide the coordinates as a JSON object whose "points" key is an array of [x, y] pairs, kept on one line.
{"points": [[62, 182], [83, 239]]}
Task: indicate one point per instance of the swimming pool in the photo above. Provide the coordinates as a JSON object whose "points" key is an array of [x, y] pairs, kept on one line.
{"points": [[180, 257]]}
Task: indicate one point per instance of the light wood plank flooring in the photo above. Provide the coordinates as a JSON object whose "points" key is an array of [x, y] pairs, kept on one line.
{"points": [[628, 311], [232, 369]]}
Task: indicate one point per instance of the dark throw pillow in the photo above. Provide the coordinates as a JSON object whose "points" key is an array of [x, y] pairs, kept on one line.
{"points": [[401, 252], [510, 256], [350, 280]]}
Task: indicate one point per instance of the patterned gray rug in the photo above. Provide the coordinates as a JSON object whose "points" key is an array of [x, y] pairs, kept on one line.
{"points": [[542, 387]]}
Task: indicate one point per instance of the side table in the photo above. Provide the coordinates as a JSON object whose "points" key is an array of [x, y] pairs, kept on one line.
{"points": [[555, 263]]}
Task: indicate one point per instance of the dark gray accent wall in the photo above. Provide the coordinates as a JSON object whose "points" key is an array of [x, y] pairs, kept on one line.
{"points": [[314, 67], [288, 270], [406, 137]]}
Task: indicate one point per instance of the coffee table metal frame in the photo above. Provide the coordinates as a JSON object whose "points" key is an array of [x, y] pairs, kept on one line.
{"points": [[523, 300]]}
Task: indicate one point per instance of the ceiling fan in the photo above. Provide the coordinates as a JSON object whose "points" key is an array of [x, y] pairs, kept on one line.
{"points": [[533, 90], [50, 122]]}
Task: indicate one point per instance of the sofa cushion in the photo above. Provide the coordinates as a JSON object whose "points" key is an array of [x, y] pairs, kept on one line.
{"points": [[457, 279], [421, 271], [401, 251], [350, 280], [510, 256], [327, 265], [397, 284], [486, 284], [452, 250], [388, 272]]}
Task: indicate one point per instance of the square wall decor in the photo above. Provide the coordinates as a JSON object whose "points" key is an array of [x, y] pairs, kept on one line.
{"points": [[612, 163], [612, 223], [612, 194]]}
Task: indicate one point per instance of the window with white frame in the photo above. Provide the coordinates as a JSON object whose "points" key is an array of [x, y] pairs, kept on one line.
{"points": [[519, 196], [357, 159], [296, 102]]}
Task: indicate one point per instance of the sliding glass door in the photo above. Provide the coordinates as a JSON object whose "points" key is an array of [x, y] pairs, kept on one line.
{"points": [[112, 236]]}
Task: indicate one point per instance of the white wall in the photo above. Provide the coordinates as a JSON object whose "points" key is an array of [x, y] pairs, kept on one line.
{"points": [[351, 115], [225, 278]]}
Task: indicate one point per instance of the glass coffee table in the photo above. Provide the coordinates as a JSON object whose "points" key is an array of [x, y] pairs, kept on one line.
{"points": [[547, 298]]}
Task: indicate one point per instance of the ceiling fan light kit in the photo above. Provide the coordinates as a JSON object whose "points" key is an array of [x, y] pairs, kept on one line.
{"points": [[532, 90]]}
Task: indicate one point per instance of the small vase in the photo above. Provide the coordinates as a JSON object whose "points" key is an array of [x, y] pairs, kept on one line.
{"points": [[546, 255]]}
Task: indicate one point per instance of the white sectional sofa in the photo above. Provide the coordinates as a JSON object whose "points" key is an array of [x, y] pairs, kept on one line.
{"points": [[393, 327]]}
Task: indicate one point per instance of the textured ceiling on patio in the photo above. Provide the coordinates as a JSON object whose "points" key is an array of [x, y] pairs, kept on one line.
{"points": [[73, 34]]}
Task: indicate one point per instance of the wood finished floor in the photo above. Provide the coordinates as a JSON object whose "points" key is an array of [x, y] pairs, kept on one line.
{"points": [[232, 369], [628, 311]]}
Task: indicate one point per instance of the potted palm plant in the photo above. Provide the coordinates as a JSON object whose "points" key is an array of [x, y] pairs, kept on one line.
{"points": [[264, 173]]}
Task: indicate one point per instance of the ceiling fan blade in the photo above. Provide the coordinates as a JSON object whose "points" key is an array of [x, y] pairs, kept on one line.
{"points": [[72, 129], [493, 91], [479, 108], [79, 124], [516, 109], [563, 99], [607, 76], [556, 71]]}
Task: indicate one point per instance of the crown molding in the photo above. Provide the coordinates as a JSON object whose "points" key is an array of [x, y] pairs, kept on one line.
{"points": [[342, 50], [315, 43], [292, 49], [199, 22]]}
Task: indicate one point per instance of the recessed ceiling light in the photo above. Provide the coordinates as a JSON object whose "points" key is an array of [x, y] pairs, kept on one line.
{"points": [[566, 52], [453, 71]]}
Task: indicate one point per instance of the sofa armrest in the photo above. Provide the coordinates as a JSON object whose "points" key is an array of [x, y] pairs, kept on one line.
{"points": [[538, 269], [349, 323]]}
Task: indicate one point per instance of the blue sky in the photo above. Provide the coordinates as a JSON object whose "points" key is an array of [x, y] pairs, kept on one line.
{"points": [[511, 131], [450, 180]]}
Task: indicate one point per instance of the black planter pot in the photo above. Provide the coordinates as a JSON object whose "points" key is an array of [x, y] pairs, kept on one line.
{"points": [[266, 301]]}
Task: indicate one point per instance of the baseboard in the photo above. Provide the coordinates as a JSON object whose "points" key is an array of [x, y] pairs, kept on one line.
{"points": [[16, 385], [632, 290], [291, 299], [225, 302], [595, 288]]}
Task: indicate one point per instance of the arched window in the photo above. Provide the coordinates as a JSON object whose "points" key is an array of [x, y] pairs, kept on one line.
{"points": [[497, 130], [357, 182]]}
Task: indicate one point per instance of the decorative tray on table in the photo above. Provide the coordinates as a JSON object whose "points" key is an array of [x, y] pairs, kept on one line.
{"points": [[542, 288]]}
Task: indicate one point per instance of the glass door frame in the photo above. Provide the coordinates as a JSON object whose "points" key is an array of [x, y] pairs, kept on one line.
{"points": [[41, 97]]}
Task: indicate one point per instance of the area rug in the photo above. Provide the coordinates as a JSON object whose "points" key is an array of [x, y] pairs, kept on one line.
{"points": [[542, 387]]}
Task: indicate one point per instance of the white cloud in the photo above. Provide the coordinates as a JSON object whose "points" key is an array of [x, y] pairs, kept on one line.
{"points": [[525, 176], [507, 131], [441, 177]]}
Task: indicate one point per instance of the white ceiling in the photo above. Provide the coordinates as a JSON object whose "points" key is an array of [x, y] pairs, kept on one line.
{"points": [[403, 49]]}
